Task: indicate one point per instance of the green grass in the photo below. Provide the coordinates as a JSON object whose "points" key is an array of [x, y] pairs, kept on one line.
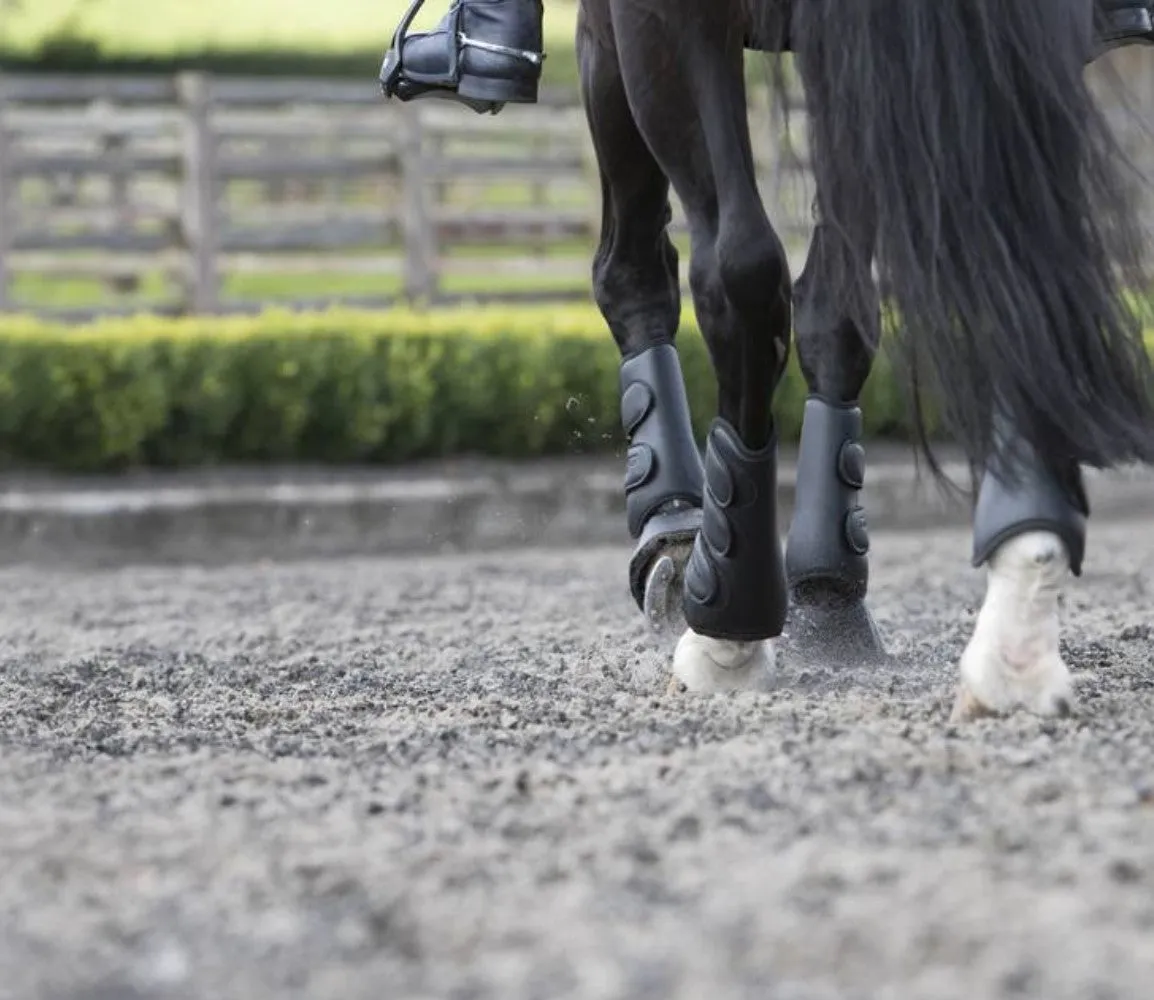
{"points": [[36, 292], [31, 291], [164, 27], [262, 34]]}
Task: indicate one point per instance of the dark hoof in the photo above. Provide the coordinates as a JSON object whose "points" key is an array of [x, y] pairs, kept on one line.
{"points": [[657, 569], [830, 628], [662, 603]]}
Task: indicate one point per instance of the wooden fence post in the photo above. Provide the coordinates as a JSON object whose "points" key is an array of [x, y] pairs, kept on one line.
{"points": [[5, 202], [542, 145], [1146, 107], [199, 193], [418, 225], [114, 150]]}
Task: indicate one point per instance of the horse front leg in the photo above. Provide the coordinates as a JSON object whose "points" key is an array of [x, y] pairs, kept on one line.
{"points": [[637, 288], [691, 111]]}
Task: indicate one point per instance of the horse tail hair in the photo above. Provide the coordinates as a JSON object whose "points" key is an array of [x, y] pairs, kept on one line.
{"points": [[962, 137]]}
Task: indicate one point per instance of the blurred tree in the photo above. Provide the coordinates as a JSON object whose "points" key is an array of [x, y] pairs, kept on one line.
{"points": [[67, 37]]}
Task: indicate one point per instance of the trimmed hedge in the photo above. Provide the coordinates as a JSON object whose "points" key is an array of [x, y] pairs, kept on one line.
{"points": [[338, 387], [87, 56]]}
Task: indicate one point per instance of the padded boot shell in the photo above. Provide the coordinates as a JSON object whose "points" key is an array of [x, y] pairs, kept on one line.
{"points": [[735, 582]]}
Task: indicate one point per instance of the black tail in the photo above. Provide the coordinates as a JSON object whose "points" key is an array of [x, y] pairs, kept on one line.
{"points": [[966, 132]]}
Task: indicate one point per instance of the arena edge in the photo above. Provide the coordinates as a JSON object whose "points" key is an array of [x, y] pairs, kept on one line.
{"points": [[337, 387]]}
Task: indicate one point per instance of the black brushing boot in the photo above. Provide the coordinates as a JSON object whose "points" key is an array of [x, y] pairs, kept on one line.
{"points": [[484, 54], [826, 555], [663, 481], [735, 586]]}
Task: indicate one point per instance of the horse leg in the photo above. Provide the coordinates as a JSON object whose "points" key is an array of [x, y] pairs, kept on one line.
{"points": [[683, 77], [826, 552], [1014, 314], [1030, 532], [636, 286]]}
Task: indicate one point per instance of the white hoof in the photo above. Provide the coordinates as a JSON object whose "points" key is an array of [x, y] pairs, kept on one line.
{"points": [[707, 666], [1012, 660]]}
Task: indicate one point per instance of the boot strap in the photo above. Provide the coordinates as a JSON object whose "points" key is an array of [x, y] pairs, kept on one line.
{"points": [[536, 58]]}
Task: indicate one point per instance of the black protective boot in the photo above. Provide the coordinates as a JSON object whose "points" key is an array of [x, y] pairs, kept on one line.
{"points": [[826, 557], [735, 586], [1122, 22], [484, 54]]}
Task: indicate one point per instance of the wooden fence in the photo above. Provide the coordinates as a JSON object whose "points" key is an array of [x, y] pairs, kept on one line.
{"points": [[202, 194], [188, 189]]}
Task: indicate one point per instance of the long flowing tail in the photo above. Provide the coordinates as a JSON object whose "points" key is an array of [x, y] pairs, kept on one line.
{"points": [[964, 134]]}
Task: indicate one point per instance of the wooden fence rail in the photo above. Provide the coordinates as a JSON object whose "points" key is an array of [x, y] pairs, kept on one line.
{"points": [[205, 194]]}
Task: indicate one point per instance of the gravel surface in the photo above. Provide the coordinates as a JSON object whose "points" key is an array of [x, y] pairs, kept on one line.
{"points": [[463, 777]]}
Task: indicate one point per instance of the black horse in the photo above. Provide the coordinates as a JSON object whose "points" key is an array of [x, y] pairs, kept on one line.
{"points": [[959, 156]]}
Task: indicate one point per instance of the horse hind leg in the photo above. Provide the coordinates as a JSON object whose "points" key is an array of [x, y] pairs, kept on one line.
{"points": [[637, 289], [1013, 659], [827, 561], [691, 111], [1030, 532]]}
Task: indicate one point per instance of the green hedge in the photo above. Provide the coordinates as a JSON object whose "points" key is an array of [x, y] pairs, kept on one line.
{"points": [[336, 386], [86, 56]]}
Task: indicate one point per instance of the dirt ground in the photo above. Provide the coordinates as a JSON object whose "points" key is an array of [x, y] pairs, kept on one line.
{"points": [[461, 777]]}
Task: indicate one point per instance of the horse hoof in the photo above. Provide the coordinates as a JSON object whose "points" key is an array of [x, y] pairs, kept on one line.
{"points": [[662, 601], [1057, 701], [702, 665], [834, 629], [657, 567]]}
